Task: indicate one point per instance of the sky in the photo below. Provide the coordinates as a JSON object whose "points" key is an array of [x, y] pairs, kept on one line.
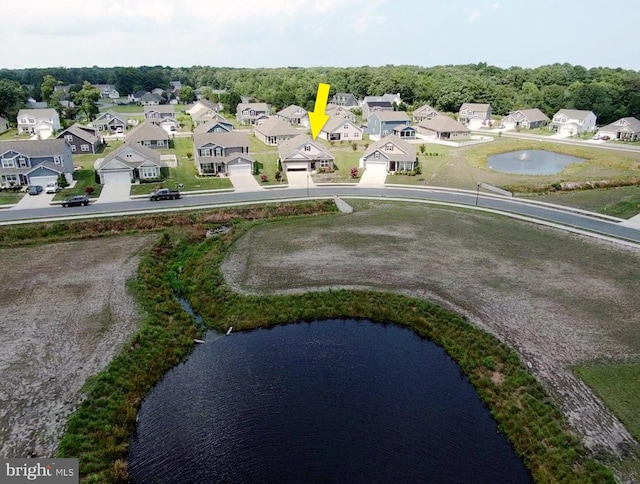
{"points": [[305, 33]]}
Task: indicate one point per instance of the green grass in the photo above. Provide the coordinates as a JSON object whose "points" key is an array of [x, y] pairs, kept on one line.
{"points": [[134, 108], [9, 198], [618, 385], [267, 164], [85, 178], [623, 202], [12, 134], [538, 131]]}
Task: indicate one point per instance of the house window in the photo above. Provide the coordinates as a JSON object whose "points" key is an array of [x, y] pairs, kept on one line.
{"points": [[376, 155], [22, 162], [10, 179], [345, 135], [84, 148], [149, 173], [218, 151], [346, 126], [324, 163], [307, 147], [73, 148], [129, 155], [385, 132], [146, 143], [160, 142], [8, 163], [205, 152], [68, 137], [57, 160], [388, 147]]}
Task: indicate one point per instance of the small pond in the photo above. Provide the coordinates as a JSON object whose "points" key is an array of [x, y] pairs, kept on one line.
{"points": [[531, 162], [330, 401]]}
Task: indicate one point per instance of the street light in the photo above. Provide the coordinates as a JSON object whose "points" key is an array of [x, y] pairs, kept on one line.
{"points": [[477, 194]]}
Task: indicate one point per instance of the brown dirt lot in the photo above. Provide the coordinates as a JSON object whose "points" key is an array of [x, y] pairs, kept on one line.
{"points": [[559, 299], [65, 314]]}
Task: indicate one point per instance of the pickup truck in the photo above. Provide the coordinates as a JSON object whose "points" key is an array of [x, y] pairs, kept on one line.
{"points": [[164, 194]]}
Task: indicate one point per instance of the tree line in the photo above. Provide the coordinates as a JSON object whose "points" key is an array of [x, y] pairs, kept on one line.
{"points": [[611, 93]]}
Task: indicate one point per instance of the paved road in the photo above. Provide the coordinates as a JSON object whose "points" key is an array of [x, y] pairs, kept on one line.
{"points": [[517, 206]]}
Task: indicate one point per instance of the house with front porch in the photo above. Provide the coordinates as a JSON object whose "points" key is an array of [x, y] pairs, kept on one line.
{"points": [[130, 162], [624, 129], [340, 129], [43, 122], [525, 119], [404, 131], [382, 123], [214, 126], [110, 121], [274, 131], [149, 135], [340, 111], [423, 112], [345, 99], [163, 115], [304, 154], [222, 153], [443, 128], [252, 113], [82, 139], [294, 115], [390, 154], [570, 122], [476, 114], [34, 162]]}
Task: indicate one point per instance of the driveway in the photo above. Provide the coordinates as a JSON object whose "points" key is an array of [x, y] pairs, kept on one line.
{"points": [[244, 182], [34, 201], [115, 192], [373, 176], [299, 179]]}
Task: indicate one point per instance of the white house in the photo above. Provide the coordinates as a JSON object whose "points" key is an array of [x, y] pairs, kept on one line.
{"points": [[340, 129], [570, 122], [43, 122]]}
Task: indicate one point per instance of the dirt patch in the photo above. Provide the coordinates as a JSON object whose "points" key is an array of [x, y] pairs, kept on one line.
{"points": [[559, 299], [66, 312]]}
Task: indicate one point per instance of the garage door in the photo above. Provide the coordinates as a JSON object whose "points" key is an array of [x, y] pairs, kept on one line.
{"points": [[376, 166], [122, 177], [42, 180], [509, 125], [297, 166], [244, 167]]}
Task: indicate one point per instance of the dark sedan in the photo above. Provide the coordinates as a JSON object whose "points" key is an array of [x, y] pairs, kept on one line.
{"points": [[35, 190], [76, 201]]}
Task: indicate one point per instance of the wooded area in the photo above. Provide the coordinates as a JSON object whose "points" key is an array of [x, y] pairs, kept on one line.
{"points": [[610, 93]]}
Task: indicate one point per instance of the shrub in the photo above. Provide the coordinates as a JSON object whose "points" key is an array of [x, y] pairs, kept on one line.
{"points": [[353, 173], [264, 178], [278, 175], [89, 190], [189, 154], [62, 181], [354, 146], [418, 169], [422, 148]]}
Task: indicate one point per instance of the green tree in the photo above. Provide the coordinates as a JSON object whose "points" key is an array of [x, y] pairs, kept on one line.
{"points": [[62, 181], [231, 100], [12, 98], [207, 93], [86, 100], [187, 95], [48, 87]]}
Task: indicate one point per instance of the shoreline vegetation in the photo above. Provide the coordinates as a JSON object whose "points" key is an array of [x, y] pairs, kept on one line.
{"points": [[183, 263]]}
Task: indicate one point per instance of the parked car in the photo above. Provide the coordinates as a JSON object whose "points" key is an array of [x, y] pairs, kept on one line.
{"points": [[35, 190], [76, 201], [605, 138], [164, 194], [119, 129], [52, 187]]}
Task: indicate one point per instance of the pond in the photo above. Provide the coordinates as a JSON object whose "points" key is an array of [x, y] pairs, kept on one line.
{"points": [[531, 162], [330, 401]]}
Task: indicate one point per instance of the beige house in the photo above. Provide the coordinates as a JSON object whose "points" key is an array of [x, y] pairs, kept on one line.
{"points": [[304, 154], [625, 129], [340, 111], [294, 115], [274, 131], [390, 154], [444, 128], [423, 112], [475, 114], [340, 129]]}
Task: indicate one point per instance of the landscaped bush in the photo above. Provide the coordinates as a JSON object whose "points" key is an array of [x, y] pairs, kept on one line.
{"points": [[152, 180], [89, 190], [264, 178]]}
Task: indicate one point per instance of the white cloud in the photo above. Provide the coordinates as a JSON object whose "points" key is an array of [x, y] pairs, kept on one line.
{"points": [[473, 15]]}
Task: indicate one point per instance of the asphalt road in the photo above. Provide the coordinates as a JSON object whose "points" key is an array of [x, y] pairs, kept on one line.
{"points": [[516, 206]]}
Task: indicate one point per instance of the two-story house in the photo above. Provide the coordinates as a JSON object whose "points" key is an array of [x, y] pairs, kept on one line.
{"points": [[214, 126], [222, 153], [525, 119], [304, 154], [202, 107], [372, 104], [274, 131], [340, 129], [443, 128], [149, 135], [390, 154], [382, 123], [476, 114], [43, 122], [34, 162], [569, 122], [294, 115], [423, 112], [107, 91], [625, 129], [110, 121], [130, 162], [345, 99], [82, 139], [162, 115], [252, 113], [340, 111]]}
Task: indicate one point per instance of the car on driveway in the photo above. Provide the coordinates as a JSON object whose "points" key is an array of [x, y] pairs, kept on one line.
{"points": [[52, 187], [76, 201], [35, 190]]}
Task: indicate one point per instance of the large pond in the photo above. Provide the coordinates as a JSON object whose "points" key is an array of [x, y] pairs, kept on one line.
{"points": [[531, 162], [331, 401]]}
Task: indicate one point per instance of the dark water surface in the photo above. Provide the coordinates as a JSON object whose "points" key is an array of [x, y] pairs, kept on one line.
{"points": [[331, 401], [531, 162]]}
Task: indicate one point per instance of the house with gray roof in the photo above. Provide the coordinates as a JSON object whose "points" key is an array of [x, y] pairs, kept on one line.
{"points": [[382, 123], [274, 131], [4, 125], [34, 162], [43, 122], [149, 135], [390, 154], [222, 153], [340, 111], [475, 114], [130, 162], [151, 99], [163, 115], [294, 115], [570, 122], [443, 128], [108, 91], [213, 126], [202, 106], [252, 113], [304, 154], [525, 119], [110, 121], [207, 115], [345, 99], [372, 104], [405, 131], [423, 112], [82, 139], [340, 129], [624, 129]]}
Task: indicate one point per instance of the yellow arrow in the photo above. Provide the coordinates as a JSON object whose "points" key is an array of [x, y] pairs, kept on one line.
{"points": [[318, 118]]}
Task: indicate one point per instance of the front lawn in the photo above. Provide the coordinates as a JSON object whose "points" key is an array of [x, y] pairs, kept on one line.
{"points": [[187, 175], [267, 164], [84, 177], [9, 198], [537, 131]]}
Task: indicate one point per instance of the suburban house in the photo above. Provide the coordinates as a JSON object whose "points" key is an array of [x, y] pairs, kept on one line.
{"points": [[404, 131], [206, 115], [43, 122], [202, 106], [390, 154], [444, 128], [294, 115], [382, 123], [162, 115], [525, 119], [149, 135], [423, 112], [34, 162], [339, 129], [136, 97], [274, 131], [110, 121], [151, 99], [625, 129], [370, 106], [222, 153], [303, 154], [573, 121], [82, 139], [130, 162], [175, 85], [345, 99], [107, 91], [340, 111], [33, 104], [252, 113], [214, 126], [4, 125], [475, 113]]}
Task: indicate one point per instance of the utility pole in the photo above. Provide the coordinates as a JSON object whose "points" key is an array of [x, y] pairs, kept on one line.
{"points": [[477, 194]]}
